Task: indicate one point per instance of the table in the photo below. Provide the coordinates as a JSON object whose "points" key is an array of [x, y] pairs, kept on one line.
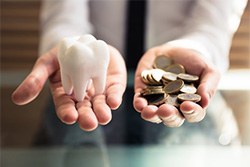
{"points": [[129, 156]]}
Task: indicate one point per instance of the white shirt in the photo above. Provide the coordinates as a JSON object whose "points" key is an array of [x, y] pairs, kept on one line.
{"points": [[206, 26]]}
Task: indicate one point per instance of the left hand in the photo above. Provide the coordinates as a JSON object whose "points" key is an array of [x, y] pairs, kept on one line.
{"points": [[194, 64]]}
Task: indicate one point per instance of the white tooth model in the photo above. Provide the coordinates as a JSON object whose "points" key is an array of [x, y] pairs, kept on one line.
{"points": [[82, 59]]}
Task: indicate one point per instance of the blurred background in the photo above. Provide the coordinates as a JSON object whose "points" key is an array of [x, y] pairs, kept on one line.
{"points": [[19, 50]]}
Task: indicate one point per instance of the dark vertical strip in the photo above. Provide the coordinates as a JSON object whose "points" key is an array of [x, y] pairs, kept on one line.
{"points": [[135, 32], [136, 11]]}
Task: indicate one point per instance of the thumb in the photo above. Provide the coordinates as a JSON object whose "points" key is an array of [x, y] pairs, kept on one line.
{"points": [[30, 88], [208, 86]]}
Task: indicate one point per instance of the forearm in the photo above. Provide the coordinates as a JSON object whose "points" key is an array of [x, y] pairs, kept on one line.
{"points": [[210, 29], [61, 19]]}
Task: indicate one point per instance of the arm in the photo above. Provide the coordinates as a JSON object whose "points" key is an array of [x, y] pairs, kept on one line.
{"points": [[210, 29], [59, 19], [62, 19], [203, 50]]}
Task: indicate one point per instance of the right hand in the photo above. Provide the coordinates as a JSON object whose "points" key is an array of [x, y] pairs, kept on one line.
{"points": [[93, 110]]}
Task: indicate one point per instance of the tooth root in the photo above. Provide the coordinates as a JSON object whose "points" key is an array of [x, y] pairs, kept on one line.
{"points": [[89, 84], [80, 86], [61, 50], [66, 83], [99, 84], [83, 58], [101, 53]]}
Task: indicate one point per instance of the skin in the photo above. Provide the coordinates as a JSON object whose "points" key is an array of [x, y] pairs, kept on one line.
{"points": [[93, 110], [194, 64], [96, 109]]}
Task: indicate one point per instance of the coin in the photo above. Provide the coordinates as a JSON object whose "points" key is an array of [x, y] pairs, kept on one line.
{"points": [[152, 90], [188, 77], [188, 88], [174, 86], [144, 75], [162, 62], [189, 97], [156, 99], [169, 83], [172, 100], [175, 68], [151, 80], [157, 75], [154, 87], [169, 76]]}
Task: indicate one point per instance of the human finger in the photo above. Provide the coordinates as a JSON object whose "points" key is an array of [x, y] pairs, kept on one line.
{"points": [[116, 79], [64, 104], [139, 102], [192, 112], [208, 86], [149, 113], [87, 119], [101, 109], [114, 96], [29, 89], [170, 116]]}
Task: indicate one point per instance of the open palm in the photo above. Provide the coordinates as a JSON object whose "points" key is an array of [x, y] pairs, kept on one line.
{"points": [[93, 110], [194, 64]]}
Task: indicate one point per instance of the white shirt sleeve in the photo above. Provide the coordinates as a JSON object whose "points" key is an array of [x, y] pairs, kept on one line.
{"points": [[210, 29], [62, 18]]}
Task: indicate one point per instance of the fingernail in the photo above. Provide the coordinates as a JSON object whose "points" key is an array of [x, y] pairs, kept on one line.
{"points": [[137, 94], [153, 108], [175, 123], [170, 118], [155, 119], [188, 112]]}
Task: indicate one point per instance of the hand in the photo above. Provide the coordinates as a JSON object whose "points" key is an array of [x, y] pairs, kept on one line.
{"points": [[194, 64], [93, 110]]}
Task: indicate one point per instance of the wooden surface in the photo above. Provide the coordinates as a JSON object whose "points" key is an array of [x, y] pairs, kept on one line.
{"points": [[240, 50], [20, 35]]}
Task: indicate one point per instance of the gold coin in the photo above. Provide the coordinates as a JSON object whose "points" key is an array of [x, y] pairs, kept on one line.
{"points": [[149, 92], [188, 77], [151, 80], [174, 86], [154, 87], [162, 62], [143, 91], [189, 97], [156, 99], [165, 82], [157, 75], [152, 90], [168, 83], [144, 74], [188, 89], [172, 100], [145, 80], [169, 76], [175, 68]]}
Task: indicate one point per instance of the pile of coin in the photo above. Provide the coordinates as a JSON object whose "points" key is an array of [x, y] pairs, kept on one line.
{"points": [[168, 82]]}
